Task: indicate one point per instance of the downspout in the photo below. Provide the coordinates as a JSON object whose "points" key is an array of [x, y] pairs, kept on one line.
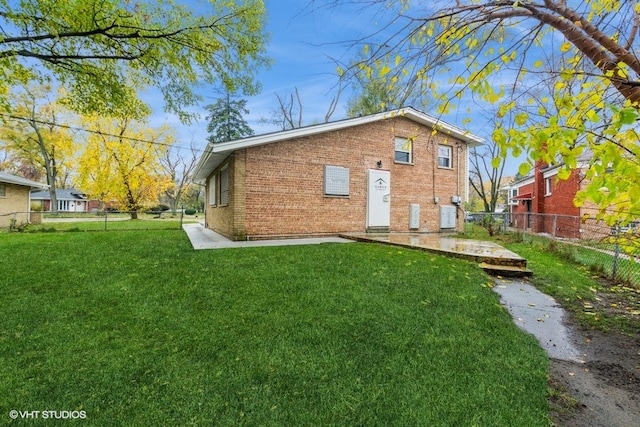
{"points": [[460, 206]]}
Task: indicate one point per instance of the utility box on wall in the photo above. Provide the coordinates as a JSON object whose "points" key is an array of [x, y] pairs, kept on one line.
{"points": [[414, 216], [447, 217]]}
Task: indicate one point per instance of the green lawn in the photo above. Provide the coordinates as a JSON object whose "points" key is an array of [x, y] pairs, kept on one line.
{"points": [[136, 328]]}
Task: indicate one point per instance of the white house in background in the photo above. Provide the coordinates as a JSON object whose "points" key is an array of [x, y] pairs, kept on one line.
{"points": [[69, 200]]}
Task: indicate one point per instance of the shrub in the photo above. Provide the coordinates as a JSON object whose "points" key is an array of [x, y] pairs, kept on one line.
{"points": [[189, 211], [159, 208]]}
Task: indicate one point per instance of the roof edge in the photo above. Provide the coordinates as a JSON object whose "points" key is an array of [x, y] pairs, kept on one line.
{"points": [[207, 162]]}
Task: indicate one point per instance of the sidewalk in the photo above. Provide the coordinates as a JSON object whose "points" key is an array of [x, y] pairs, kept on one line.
{"points": [[203, 238]]}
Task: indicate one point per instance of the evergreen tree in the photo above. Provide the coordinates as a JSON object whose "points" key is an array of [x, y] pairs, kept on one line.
{"points": [[226, 121]]}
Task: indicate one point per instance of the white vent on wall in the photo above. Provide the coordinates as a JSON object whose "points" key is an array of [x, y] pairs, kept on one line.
{"points": [[336, 181], [447, 216], [414, 216]]}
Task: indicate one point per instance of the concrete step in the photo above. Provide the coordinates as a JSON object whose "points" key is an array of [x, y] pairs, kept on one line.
{"points": [[505, 270]]}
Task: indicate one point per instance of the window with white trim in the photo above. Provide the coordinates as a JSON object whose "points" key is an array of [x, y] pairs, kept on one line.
{"points": [[224, 187], [548, 185], [63, 205], [512, 194], [403, 153], [212, 191], [445, 156]]}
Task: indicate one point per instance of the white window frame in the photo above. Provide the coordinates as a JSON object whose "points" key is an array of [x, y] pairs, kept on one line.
{"points": [[402, 150], [63, 206], [548, 186], [513, 193], [224, 186], [212, 191], [445, 160]]}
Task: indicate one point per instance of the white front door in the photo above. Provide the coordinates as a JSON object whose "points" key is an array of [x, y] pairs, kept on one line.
{"points": [[378, 199]]}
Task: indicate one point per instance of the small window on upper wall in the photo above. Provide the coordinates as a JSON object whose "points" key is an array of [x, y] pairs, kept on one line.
{"points": [[548, 184], [445, 156], [3, 190], [403, 150], [513, 193]]}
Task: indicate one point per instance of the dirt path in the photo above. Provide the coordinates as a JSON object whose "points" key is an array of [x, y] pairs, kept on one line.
{"points": [[595, 375], [606, 387]]}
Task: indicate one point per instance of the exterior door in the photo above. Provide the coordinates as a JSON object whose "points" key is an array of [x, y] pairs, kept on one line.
{"points": [[378, 200]]}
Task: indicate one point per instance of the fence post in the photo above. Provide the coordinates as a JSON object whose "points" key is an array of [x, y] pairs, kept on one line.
{"points": [[106, 213], [181, 215], [555, 224], [616, 252]]}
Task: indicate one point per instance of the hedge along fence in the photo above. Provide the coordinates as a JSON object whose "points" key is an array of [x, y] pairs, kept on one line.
{"points": [[612, 251], [37, 221]]}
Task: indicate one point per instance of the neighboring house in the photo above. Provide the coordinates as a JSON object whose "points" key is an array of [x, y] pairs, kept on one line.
{"points": [[69, 200], [15, 198], [543, 193], [396, 171]]}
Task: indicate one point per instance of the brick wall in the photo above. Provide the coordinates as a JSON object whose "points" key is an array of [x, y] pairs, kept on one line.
{"points": [[562, 194], [16, 200], [283, 191]]}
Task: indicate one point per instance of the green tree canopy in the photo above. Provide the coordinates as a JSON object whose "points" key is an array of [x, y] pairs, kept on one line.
{"points": [[497, 51], [92, 47]]}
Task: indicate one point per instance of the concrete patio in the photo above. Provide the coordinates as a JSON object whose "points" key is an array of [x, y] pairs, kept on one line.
{"points": [[492, 258]]}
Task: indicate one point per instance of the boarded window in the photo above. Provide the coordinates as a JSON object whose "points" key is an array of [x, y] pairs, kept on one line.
{"points": [[224, 186], [336, 181]]}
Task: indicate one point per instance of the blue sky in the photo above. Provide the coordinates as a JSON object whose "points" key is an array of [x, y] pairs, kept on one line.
{"points": [[304, 37]]}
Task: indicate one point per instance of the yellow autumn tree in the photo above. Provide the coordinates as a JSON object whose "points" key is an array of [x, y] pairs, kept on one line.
{"points": [[121, 162], [36, 133]]}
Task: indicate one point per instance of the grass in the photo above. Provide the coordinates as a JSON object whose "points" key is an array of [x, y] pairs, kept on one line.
{"points": [[137, 328]]}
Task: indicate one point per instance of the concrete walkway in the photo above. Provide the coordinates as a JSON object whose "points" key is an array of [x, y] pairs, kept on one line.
{"points": [[203, 238]]}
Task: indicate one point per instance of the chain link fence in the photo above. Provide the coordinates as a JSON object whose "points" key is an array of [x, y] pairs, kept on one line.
{"points": [[610, 250], [38, 221]]}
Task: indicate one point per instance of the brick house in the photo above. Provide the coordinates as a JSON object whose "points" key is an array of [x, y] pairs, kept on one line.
{"points": [[550, 199], [396, 171], [15, 198]]}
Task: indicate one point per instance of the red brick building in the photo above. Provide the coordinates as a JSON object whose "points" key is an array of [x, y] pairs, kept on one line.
{"points": [[396, 171], [550, 199]]}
